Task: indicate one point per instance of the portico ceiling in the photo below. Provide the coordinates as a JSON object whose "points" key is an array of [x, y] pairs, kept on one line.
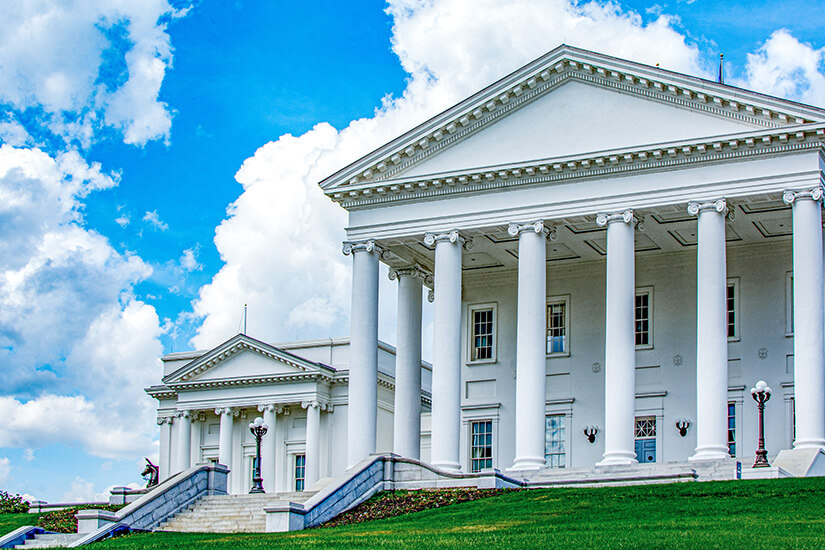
{"points": [[754, 219]]}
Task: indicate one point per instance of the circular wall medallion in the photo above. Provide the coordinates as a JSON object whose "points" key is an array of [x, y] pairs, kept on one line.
{"points": [[597, 367], [762, 353], [677, 360]]}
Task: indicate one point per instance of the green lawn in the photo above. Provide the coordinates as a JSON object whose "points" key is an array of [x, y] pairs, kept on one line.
{"points": [[745, 514], [10, 522]]}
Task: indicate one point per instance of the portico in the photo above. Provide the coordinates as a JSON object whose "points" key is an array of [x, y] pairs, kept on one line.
{"points": [[525, 227]]}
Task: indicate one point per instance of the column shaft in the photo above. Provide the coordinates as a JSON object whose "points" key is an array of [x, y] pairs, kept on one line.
{"points": [[531, 347], [184, 442], [808, 306], [362, 403], [313, 445], [407, 415], [164, 462], [446, 407], [225, 441], [268, 454], [711, 333], [620, 342]]}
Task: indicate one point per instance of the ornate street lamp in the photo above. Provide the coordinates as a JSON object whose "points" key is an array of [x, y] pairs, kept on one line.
{"points": [[258, 429], [761, 394]]}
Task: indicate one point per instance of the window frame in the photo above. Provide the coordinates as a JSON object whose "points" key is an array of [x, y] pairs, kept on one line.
{"points": [[471, 309], [554, 300], [564, 439], [295, 478], [470, 447], [640, 291], [737, 308], [735, 442]]}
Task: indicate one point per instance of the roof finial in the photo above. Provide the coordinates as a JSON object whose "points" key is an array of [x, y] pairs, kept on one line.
{"points": [[244, 318], [721, 65]]}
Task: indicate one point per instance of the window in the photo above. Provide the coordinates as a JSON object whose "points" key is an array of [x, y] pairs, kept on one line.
{"points": [[732, 428], [481, 445], [554, 441], [642, 311], [482, 333], [558, 323], [645, 427], [732, 300], [300, 472]]}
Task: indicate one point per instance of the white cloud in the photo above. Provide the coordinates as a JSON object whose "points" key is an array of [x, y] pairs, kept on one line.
{"points": [[84, 491], [88, 64], [153, 219], [5, 469], [189, 260], [122, 220], [281, 243], [28, 455], [786, 67]]}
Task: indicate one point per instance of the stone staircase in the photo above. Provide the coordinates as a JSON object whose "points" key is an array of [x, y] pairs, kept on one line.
{"points": [[228, 513], [50, 540]]}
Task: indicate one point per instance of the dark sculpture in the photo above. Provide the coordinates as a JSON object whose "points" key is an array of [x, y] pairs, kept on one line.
{"points": [[152, 472]]}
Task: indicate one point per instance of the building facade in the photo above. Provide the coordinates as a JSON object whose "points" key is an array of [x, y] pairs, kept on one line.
{"points": [[618, 253]]}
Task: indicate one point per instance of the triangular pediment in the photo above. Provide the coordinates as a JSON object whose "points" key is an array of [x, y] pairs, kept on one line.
{"points": [[240, 358], [568, 102]]}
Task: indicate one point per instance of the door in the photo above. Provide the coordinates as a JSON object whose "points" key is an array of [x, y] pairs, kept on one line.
{"points": [[646, 450], [645, 433]]}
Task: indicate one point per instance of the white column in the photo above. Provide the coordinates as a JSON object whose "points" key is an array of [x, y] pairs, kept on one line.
{"points": [[268, 453], [446, 407], [227, 415], [362, 403], [808, 306], [184, 441], [282, 475], [620, 342], [164, 460], [313, 443], [407, 415], [531, 345], [711, 332]]}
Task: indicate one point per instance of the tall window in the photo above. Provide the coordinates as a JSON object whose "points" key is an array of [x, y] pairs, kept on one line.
{"points": [[642, 310], [558, 322], [300, 472], [482, 328], [732, 428], [481, 445], [733, 308], [554, 441]]}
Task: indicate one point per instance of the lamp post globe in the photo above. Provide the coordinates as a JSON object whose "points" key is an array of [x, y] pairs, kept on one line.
{"points": [[761, 393], [258, 429]]}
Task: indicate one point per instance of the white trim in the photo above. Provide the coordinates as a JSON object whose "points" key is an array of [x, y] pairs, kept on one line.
{"points": [[493, 453], [789, 304], [640, 291], [737, 308], [471, 309], [562, 409], [553, 300]]}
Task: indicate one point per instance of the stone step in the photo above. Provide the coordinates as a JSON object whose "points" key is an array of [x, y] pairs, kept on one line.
{"points": [[50, 540]]}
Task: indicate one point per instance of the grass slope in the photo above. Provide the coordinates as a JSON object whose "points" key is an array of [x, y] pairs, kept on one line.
{"points": [[745, 514], [10, 522]]}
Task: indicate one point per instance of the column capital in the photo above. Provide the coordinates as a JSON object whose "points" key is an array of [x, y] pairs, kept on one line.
{"points": [[184, 414], [231, 411], [719, 205], [450, 236], [164, 420], [515, 229], [814, 194], [605, 218], [414, 271], [271, 407], [315, 404], [368, 245]]}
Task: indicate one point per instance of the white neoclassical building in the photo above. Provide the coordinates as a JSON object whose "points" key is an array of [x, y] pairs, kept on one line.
{"points": [[617, 254]]}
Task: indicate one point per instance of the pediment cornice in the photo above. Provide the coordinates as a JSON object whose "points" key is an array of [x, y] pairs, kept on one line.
{"points": [[546, 73], [774, 141], [239, 344]]}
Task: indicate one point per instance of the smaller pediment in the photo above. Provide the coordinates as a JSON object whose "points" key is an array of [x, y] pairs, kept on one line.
{"points": [[243, 357]]}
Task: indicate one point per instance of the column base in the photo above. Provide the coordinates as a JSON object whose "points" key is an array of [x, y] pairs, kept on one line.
{"points": [[528, 463], [809, 444], [710, 453], [618, 458], [453, 467]]}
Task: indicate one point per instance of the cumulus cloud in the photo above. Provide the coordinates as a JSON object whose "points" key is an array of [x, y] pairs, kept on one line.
{"points": [[81, 490], [189, 260], [786, 67], [5, 469], [153, 219], [87, 65]]}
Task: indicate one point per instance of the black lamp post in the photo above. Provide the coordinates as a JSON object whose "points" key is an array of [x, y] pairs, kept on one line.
{"points": [[258, 429], [761, 394]]}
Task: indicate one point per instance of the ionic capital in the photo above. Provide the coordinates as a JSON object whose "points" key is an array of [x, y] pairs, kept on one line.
{"points": [[451, 236], [695, 208], [606, 218], [313, 404], [516, 229], [814, 194], [184, 414], [164, 420], [226, 410], [369, 245], [271, 407], [414, 271]]}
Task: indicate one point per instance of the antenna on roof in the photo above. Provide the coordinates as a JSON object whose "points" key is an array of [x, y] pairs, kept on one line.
{"points": [[244, 318], [721, 65]]}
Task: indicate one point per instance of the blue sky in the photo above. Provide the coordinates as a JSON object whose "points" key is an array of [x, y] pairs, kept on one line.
{"points": [[159, 162]]}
